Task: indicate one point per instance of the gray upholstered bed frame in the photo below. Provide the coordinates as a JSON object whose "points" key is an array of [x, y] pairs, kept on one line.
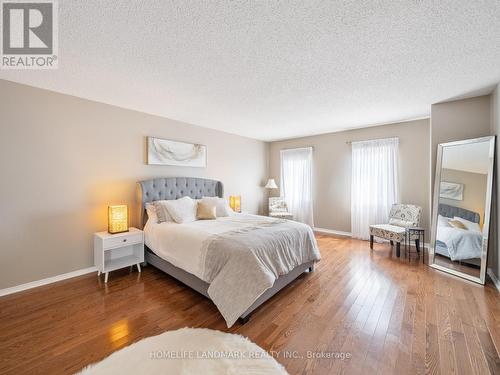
{"points": [[196, 188], [452, 211]]}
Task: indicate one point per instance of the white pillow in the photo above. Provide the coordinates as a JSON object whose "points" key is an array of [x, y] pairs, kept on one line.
{"points": [[443, 221], [182, 210], [151, 211], [221, 205], [162, 214], [469, 224]]}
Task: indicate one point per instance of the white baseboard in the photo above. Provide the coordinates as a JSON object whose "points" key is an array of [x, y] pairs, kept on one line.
{"points": [[48, 280], [331, 231], [493, 278], [349, 234]]}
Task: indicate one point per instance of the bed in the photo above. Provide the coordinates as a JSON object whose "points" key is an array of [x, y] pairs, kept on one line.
{"points": [[239, 262], [458, 244]]}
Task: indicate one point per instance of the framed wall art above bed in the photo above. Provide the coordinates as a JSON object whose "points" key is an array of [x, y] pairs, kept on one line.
{"points": [[168, 152], [451, 190]]}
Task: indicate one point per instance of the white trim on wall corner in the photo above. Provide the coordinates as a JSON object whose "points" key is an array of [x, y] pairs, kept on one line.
{"points": [[331, 231], [493, 278], [48, 280]]}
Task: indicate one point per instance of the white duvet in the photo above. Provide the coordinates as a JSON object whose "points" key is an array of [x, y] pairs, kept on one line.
{"points": [[185, 246], [461, 243], [240, 256]]}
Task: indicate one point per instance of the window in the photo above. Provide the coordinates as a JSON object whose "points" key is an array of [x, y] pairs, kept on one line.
{"points": [[374, 183], [296, 183]]}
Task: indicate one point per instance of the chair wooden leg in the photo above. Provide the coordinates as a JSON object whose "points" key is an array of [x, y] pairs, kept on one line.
{"points": [[417, 245], [371, 242], [391, 242], [398, 249]]}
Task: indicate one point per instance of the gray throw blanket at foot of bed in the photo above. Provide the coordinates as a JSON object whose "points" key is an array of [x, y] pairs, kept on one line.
{"points": [[241, 265]]}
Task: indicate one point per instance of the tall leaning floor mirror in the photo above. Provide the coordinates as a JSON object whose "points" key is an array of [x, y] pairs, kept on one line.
{"points": [[461, 208]]}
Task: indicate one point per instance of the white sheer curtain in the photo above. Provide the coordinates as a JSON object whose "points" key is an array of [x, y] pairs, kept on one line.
{"points": [[296, 183], [374, 183]]}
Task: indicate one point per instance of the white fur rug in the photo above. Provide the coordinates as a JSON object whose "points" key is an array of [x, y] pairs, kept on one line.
{"points": [[189, 351]]}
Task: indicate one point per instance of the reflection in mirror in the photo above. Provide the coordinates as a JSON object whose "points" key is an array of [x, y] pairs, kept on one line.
{"points": [[461, 207]]}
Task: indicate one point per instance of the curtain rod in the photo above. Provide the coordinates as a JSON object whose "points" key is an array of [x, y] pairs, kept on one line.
{"points": [[297, 148], [375, 139]]}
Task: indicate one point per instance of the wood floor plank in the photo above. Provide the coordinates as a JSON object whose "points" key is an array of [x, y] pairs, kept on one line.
{"points": [[489, 351], [388, 315], [476, 355]]}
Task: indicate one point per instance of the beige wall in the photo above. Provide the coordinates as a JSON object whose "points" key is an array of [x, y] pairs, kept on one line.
{"points": [[332, 169], [474, 190], [457, 120], [64, 159]]}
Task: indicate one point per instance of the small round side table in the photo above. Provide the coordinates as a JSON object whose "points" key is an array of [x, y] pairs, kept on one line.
{"points": [[419, 241]]}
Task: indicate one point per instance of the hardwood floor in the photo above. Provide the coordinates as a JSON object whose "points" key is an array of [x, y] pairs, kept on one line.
{"points": [[388, 314]]}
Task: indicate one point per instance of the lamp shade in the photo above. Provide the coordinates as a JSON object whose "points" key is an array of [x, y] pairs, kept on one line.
{"points": [[235, 203], [118, 219], [271, 184]]}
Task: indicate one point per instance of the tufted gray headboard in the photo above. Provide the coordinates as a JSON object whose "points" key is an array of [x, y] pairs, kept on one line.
{"points": [[177, 187], [451, 211]]}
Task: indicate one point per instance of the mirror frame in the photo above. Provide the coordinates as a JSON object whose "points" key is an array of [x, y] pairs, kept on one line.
{"points": [[486, 224]]}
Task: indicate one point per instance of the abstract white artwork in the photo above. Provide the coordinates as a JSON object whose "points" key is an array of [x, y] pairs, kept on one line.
{"points": [[166, 152], [451, 190]]}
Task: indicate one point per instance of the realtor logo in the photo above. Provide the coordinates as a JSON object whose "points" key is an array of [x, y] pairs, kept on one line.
{"points": [[29, 34]]}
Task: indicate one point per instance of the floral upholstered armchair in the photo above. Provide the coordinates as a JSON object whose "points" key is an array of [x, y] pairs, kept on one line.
{"points": [[401, 216], [279, 209]]}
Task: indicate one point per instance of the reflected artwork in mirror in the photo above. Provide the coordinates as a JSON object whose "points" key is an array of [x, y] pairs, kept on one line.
{"points": [[461, 207]]}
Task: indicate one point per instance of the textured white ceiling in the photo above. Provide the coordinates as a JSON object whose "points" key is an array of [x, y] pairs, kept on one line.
{"points": [[274, 69]]}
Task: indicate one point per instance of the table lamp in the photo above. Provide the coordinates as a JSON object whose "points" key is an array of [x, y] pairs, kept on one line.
{"points": [[271, 184], [235, 203], [118, 219]]}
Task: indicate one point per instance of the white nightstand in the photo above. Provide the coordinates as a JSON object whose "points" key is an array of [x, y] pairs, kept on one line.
{"points": [[115, 251]]}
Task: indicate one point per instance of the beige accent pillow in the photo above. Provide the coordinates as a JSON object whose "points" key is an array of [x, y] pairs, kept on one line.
{"points": [[206, 211], [457, 224], [469, 225], [222, 208]]}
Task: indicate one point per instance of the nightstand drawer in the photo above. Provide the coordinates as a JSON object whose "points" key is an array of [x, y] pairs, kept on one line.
{"points": [[118, 241]]}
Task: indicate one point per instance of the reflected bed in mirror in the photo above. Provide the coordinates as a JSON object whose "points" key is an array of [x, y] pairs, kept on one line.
{"points": [[461, 210], [458, 248]]}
